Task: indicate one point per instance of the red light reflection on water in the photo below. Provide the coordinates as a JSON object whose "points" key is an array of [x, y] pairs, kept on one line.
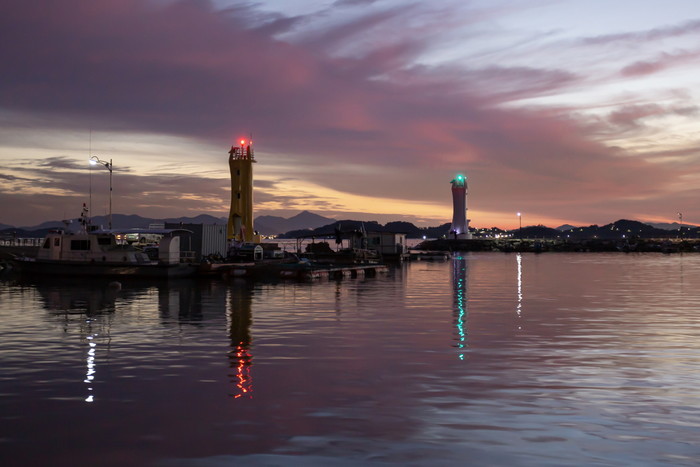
{"points": [[241, 362]]}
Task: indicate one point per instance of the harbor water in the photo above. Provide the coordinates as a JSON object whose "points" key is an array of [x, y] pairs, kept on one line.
{"points": [[484, 359]]}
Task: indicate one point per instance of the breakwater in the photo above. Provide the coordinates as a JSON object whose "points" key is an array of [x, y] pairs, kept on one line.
{"points": [[563, 245]]}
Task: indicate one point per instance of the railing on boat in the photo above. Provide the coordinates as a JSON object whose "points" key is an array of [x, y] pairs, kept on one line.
{"points": [[28, 241]]}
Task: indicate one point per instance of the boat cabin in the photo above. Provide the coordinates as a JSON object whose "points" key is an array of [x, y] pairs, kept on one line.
{"points": [[103, 247]]}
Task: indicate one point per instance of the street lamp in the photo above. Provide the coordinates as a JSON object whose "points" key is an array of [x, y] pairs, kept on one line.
{"points": [[108, 165], [520, 221]]}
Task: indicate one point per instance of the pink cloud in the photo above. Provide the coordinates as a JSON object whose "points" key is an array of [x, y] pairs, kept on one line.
{"points": [[186, 68], [663, 62], [654, 35]]}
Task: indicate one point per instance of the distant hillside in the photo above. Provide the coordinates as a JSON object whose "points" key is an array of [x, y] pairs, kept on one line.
{"points": [[14, 232], [45, 225], [201, 219], [625, 228], [275, 225], [671, 225], [267, 225], [536, 231], [122, 221], [306, 224], [347, 226]]}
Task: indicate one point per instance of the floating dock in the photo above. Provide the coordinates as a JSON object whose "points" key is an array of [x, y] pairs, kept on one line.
{"points": [[298, 271]]}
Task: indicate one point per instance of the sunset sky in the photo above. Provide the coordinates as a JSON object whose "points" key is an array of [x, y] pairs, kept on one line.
{"points": [[578, 111]]}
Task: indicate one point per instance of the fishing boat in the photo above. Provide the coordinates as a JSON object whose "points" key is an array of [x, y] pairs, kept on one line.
{"points": [[106, 253]]}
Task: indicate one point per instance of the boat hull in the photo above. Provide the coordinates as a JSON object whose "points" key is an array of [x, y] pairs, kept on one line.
{"points": [[77, 268]]}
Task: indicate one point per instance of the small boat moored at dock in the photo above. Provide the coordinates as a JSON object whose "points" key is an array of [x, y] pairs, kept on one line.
{"points": [[99, 253]]}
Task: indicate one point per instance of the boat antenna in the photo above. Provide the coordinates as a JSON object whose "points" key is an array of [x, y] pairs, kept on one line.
{"points": [[90, 176]]}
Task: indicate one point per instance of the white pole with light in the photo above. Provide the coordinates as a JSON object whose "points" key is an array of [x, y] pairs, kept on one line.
{"points": [[520, 220], [108, 165]]}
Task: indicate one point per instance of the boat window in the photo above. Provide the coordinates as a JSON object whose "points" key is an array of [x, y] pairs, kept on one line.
{"points": [[56, 241], [47, 243], [104, 241], [80, 244]]}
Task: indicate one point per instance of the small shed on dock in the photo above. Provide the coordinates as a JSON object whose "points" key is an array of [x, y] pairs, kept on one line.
{"points": [[389, 245], [206, 239]]}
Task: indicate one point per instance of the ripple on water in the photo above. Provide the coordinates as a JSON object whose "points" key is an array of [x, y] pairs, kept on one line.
{"points": [[490, 359]]}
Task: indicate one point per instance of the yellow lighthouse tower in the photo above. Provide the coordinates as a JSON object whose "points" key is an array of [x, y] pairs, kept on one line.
{"points": [[240, 218]]}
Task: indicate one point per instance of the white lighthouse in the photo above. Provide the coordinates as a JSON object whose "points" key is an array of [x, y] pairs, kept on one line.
{"points": [[460, 223]]}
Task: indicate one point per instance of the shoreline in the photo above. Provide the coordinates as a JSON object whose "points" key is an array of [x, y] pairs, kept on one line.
{"points": [[642, 245]]}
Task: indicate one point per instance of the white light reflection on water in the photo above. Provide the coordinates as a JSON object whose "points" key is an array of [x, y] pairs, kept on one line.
{"points": [[519, 308], [91, 366], [459, 285], [363, 371]]}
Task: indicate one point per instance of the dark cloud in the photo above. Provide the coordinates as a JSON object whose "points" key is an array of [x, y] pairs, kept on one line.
{"points": [[71, 187], [13, 178], [265, 184], [57, 162], [631, 116], [348, 95], [342, 3]]}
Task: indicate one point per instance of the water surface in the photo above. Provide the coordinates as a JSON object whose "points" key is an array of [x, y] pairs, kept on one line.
{"points": [[486, 359]]}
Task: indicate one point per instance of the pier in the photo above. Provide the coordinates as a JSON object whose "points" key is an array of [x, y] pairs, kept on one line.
{"points": [[264, 270], [302, 271]]}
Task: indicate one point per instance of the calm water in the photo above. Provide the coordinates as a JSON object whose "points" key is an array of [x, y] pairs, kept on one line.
{"points": [[487, 359]]}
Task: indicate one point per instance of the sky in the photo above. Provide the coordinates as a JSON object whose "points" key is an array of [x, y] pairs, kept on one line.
{"points": [[568, 111]]}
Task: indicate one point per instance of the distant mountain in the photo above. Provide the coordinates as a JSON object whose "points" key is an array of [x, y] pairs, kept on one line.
{"points": [[275, 225], [201, 219], [309, 220], [439, 231], [537, 231], [404, 227], [267, 225], [671, 225], [345, 226], [307, 224], [123, 221], [14, 232], [412, 231], [622, 228], [44, 225]]}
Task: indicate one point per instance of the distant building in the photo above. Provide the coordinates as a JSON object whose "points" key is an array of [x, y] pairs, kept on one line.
{"points": [[460, 223]]}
